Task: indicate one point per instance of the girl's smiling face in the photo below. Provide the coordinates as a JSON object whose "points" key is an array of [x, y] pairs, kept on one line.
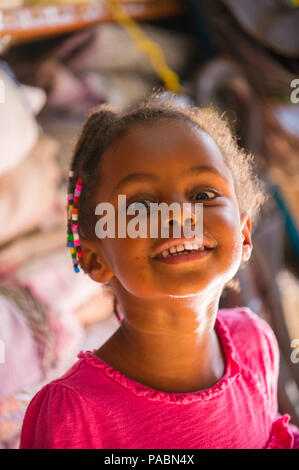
{"points": [[163, 162]]}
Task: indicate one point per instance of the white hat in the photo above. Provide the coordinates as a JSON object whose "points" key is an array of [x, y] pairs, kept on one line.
{"points": [[18, 128]]}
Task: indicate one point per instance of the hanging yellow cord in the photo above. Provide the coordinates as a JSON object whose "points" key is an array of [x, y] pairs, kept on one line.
{"points": [[153, 50]]}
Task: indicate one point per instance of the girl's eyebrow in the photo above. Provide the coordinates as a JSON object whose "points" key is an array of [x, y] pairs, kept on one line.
{"points": [[134, 177], [205, 169], [150, 176]]}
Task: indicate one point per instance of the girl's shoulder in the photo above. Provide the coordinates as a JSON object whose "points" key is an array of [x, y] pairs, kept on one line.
{"points": [[243, 321], [79, 380], [254, 342], [59, 409], [245, 327]]}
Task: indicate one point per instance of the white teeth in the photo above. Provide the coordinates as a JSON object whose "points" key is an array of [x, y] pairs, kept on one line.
{"points": [[180, 248], [188, 246]]}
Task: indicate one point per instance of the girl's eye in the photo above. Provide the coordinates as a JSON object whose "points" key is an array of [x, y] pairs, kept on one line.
{"points": [[202, 195], [138, 205]]}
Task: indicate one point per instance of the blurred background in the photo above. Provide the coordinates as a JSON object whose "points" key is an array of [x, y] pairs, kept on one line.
{"points": [[60, 58]]}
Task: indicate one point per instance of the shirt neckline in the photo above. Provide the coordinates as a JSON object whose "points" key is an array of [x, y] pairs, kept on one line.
{"points": [[232, 371]]}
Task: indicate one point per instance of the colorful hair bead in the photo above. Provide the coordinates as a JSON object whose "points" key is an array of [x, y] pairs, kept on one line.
{"points": [[73, 239]]}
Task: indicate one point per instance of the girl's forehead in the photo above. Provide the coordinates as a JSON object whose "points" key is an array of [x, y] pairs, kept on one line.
{"points": [[156, 145], [162, 155]]}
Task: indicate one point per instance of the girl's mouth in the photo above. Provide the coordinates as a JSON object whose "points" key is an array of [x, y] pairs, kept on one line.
{"points": [[182, 254]]}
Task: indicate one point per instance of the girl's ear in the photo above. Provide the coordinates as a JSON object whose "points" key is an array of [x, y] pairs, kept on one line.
{"points": [[246, 236], [93, 262]]}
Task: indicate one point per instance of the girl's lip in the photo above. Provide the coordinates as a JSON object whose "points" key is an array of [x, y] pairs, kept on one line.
{"points": [[206, 242], [183, 258]]}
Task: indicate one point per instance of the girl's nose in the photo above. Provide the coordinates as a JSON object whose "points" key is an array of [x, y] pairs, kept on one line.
{"points": [[183, 217]]}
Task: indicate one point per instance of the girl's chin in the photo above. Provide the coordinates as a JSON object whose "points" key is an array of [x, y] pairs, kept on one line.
{"points": [[167, 289], [184, 289]]}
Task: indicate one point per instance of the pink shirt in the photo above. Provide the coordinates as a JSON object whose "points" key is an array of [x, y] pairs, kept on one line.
{"points": [[95, 406]]}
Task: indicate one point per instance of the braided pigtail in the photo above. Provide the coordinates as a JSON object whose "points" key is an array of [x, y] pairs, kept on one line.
{"points": [[83, 177]]}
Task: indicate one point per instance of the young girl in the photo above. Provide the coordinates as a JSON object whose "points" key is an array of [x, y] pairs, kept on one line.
{"points": [[179, 372]]}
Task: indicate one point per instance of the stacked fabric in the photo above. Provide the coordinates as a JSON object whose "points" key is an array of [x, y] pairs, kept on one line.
{"points": [[44, 305]]}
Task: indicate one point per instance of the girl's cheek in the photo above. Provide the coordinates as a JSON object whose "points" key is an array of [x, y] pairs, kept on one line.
{"points": [[126, 253], [222, 220], [224, 226]]}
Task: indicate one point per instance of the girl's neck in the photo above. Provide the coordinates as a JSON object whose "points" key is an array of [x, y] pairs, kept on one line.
{"points": [[175, 350]]}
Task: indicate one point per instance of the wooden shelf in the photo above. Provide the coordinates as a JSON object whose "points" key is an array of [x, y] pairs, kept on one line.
{"points": [[36, 22]]}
